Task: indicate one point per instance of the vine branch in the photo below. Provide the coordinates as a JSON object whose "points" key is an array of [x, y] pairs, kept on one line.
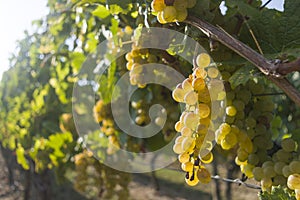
{"points": [[236, 181], [286, 68], [270, 69]]}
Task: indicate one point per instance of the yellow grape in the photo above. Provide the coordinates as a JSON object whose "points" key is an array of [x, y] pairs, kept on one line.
{"points": [[187, 166], [200, 73], [160, 18], [191, 120], [231, 111], [188, 143], [247, 170], [225, 145], [187, 85], [184, 157], [231, 139], [225, 128], [169, 13], [204, 110], [203, 60], [294, 181], [208, 158], [178, 126], [297, 194], [178, 94], [204, 175], [186, 132], [191, 98], [179, 139], [158, 5], [177, 148], [193, 180], [159, 121], [198, 84]]}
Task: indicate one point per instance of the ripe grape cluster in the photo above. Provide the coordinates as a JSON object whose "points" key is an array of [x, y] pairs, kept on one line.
{"points": [[200, 92], [172, 10], [103, 115]]}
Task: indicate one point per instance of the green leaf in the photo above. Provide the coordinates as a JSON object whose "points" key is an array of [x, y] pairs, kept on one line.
{"points": [[241, 76], [101, 12], [278, 193], [20, 153]]}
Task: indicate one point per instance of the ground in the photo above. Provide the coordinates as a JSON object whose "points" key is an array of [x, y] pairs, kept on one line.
{"points": [[171, 187]]}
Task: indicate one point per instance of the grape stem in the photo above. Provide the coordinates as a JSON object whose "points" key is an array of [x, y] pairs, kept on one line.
{"points": [[274, 71], [236, 181]]}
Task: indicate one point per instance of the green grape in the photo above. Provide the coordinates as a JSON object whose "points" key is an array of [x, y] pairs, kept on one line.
{"points": [[204, 175], [286, 171], [250, 122], [213, 72], [278, 167], [239, 105], [253, 159], [283, 155], [180, 4], [158, 5], [247, 170], [288, 144], [245, 96], [266, 183], [295, 166], [294, 181], [191, 3], [169, 14], [202, 61], [258, 173], [279, 180], [269, 171], [231, 111], [231, 139], [242, 155]]}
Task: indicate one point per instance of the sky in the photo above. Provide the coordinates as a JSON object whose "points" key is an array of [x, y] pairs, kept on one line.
{"points": [[17, 15]]}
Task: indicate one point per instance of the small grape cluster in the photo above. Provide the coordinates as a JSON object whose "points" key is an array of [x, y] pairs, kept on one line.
{"points": [[103, 115], [199, 92], [172, 10], [294, 184]]}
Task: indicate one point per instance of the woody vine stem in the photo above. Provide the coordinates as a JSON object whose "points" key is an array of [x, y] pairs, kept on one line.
{"points": [[274, 71]]}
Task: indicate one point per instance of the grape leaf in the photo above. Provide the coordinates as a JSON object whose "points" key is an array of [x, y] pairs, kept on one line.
{"points": [[278, 193], [241, 76]]}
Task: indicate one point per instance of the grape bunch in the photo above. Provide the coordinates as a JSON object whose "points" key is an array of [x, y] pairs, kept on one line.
{"points": [[172, 10], [247, 131], [103, 115], [200, 92]]}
